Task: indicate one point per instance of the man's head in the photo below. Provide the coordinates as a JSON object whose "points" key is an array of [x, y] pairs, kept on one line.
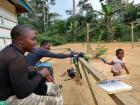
{"points": [[45, 44], [24, 37], [120, 53]]}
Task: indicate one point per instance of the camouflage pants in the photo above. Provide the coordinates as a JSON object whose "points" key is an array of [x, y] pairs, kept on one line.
{"points": [[54, 97]]}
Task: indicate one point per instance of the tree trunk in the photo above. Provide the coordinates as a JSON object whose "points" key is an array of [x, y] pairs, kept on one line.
{"points": [[127, 1], [47, 18], [44, 19], [74, 13], [74, 9], [109, 30]]}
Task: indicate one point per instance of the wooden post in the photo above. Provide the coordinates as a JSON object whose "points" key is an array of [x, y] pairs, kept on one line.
{"points": [[132, 34], [88, 44]]}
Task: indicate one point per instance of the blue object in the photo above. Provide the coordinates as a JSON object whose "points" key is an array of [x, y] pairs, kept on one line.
{"points": [[46, 65], [3, 103], [25, 5]]}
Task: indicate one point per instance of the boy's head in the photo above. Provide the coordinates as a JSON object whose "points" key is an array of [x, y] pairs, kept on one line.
{"points": [[120, 53], [45, 44], [24, 37]]}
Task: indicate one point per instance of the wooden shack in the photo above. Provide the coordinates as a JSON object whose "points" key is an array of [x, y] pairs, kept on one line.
{"points": [[9, 9]]}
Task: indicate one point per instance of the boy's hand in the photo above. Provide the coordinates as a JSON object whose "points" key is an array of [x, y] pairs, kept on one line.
{"points": [[127, 72], [104, 60], [126, 68]]}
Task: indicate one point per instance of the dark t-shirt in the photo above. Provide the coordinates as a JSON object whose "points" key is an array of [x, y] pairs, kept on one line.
{"points": [[33, 58], [14, 74]]}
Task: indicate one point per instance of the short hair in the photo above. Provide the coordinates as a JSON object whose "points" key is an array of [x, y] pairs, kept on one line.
{"points": [[117, 51], [44, 42], [20, 30]]}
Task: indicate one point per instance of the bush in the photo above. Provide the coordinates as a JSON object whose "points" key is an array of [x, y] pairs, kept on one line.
{"points": [[127, 37], [39, 38], [57, 40], [53, 39], [100, 51]]}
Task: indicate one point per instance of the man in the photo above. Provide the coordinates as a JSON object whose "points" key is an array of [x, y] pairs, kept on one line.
{"points": [[16, 83], [43, 51]]}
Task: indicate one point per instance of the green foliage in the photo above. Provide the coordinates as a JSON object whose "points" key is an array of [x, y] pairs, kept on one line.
{"points": [[87, 57], [100, 51], [131, 13], [54, 39], [109, 11], [126, 38], [120, 31], [58, 40], [105, 24]]}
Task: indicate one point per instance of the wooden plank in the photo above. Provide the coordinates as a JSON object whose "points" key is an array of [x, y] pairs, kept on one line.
{"points": [[93, 71], [7, 10], [93, 93], [5, 32], [119, 98]]}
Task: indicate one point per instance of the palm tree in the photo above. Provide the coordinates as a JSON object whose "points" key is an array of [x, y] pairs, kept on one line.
{"points": [[108, 11]]}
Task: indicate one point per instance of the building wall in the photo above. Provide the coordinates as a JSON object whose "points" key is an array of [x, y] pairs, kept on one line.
{"points": [[8, 19]]}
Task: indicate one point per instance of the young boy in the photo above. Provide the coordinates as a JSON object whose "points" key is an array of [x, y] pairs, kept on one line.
{"points": [[117, 63]]}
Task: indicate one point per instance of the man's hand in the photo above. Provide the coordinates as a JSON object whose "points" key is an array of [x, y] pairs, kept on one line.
{"points": [[73, 54], [44, 72], [81, 54], [49, 78]]}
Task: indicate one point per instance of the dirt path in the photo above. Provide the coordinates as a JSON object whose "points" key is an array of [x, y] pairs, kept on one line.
{"points": [[80, 95]]}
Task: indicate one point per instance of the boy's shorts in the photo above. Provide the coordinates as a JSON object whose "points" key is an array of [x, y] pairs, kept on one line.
{"points": [[115, 73], [46, 65]]}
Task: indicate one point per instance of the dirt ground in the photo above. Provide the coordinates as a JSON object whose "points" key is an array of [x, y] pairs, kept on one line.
{"points": [[75, 94]]}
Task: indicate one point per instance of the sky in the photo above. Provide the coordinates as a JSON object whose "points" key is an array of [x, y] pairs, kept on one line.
{"points": [[62, 5]]}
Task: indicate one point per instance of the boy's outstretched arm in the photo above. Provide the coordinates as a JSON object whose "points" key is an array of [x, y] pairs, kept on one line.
{"points": [[126, 69], [109, 63]]}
